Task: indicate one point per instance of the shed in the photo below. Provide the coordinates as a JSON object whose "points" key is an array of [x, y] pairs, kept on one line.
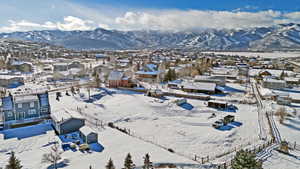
{"points": [[199, 87], [88, 135], [66, 121], [217, 104]]}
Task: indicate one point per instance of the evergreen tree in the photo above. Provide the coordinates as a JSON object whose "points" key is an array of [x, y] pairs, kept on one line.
{"points": [[147, 162], [128, 164], [13, 162], [244, 159], [110, 165], [173, 74]]}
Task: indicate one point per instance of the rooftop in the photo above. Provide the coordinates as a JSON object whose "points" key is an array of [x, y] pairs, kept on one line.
{"points": [[64, 115]]}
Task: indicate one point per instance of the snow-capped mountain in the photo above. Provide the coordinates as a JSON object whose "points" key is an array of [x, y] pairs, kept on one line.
{"points": [[279, 37]]}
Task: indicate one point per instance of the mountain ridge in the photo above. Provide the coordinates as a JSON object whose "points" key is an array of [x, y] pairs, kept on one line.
{"points": [[278, 37]]}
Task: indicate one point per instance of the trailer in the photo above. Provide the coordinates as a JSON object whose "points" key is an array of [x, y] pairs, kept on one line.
{"points": [[180, 102], [228, 119]]}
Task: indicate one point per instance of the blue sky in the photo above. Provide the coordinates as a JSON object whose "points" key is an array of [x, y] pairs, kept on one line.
{"points": [[283, 5], [174, 15]]}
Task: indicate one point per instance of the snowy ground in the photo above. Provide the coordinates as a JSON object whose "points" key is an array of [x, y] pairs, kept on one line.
{"points": [[277, 54], [282, 161], [116, 146], [186, 129]]}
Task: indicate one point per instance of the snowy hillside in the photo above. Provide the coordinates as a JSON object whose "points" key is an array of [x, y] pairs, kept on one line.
{"points": [[280, 37]]}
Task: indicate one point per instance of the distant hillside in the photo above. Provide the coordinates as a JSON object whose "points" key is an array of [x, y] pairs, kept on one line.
{"points": [[280, 37]]}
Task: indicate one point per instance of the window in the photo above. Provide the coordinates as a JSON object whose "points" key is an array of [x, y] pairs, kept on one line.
{"points": [[32, 104], [20, 105], [31, 111], [10, 114]]}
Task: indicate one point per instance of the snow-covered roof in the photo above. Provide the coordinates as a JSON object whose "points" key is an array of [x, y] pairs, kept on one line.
{"points": [[147, 73], [100, 56], [199, 86], [86, 130], [271, 80], [115, 75], [291, 79], [20, 63], [7, 77], [175, 82], [152, 67], [24, 99], [64, 115]]}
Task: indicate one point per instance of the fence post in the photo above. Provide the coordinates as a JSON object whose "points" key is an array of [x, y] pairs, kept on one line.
{"points": [[195, 157], [202, 160], [225, 166], [207, 158]]}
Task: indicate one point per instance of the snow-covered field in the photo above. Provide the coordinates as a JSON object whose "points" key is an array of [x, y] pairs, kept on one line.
{"points": [[276, 54], [186, 130], [116, 146]]}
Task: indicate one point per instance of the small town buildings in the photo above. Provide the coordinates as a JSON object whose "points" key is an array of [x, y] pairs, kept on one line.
{"points": [[24, 67], [22, 109], [66, 121], [60, 67], [88, 135], [150, 73], [292, 81], [199, 87], [283, 99], [175, 84], [118, 79], [75, 65], [101, 57], [219, 80], [11, 81], [155, 93], [273, 83]]}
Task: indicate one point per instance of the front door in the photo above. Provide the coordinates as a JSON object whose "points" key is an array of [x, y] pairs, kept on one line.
{"points": [[21, 115]]}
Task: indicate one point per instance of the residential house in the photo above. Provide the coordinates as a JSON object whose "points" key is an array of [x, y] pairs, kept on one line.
{"points": [[11, 81], [273, 83], [219, 80], [199, 87], [118, 79], [60, 67], [66, 121], [20, 109]]}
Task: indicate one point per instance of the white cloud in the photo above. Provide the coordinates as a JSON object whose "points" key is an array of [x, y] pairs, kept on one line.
{"points": [[196, 19], [174, 20], [294, 16], [70, 23]]}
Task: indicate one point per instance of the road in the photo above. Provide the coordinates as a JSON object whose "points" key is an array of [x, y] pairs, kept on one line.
{"points": [[262, 115]]}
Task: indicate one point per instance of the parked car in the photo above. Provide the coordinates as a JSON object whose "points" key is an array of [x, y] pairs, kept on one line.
{"points": [[218, 124], [84, 147]]}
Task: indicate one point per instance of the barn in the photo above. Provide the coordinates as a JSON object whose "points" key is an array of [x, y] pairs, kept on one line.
{"points": [[66, 121], [217, 104], [88, 135]]}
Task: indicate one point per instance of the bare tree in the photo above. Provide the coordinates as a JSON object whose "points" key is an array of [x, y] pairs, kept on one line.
{"points": [[53, 157]]}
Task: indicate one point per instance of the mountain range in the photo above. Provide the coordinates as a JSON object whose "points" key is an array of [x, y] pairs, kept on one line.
{"points": [[278, 37]]}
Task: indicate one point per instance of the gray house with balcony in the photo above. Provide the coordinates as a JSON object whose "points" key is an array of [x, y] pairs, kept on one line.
{"points": [[20, 109]]}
